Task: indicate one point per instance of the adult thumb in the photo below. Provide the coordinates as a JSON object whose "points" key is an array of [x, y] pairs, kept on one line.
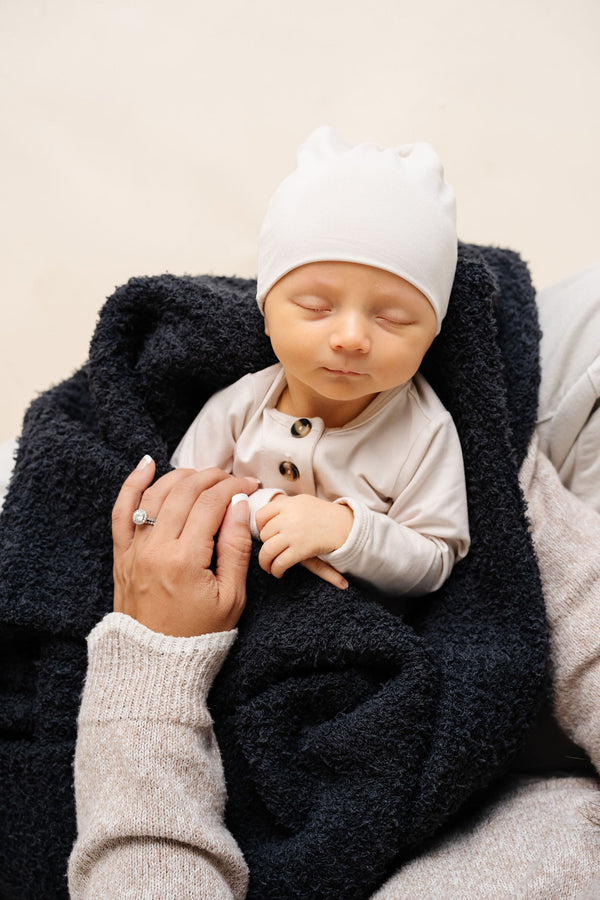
{"points": [[234, 545]]}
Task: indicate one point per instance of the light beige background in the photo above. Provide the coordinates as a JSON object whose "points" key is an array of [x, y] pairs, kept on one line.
{"points": [[142, 137]]}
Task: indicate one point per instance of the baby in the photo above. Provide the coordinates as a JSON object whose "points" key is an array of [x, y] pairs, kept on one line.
{"points": [[360, 463]]}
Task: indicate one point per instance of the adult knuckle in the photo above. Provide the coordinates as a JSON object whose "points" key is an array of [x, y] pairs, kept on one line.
{"points": [[243, 543], [183, 488], [219, 473], [178, 559], [146, 558], [163, 485], [167, 483], [204, 479], [149, 495]]}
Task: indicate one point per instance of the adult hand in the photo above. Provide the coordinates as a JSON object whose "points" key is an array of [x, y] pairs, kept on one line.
{"points": [[162, 573]]}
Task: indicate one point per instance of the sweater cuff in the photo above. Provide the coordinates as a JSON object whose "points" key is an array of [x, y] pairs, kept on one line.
{"points": [[136, 673]]}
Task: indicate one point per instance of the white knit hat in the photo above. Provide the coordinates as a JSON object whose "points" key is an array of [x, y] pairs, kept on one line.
{"points": [[384, 207]]}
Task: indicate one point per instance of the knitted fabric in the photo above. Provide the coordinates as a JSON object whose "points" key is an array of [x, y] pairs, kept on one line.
{"points": [[349, 734]]}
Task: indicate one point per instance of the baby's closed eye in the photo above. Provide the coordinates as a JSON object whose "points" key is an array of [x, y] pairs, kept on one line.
{"points": [[312, 304]]}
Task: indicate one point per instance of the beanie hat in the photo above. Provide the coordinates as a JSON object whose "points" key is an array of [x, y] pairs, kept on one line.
{"points": [[383, 207]]}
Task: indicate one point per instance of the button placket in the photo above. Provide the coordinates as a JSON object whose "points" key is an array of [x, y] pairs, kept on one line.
{"points": [[299, 429], [291, 448]]}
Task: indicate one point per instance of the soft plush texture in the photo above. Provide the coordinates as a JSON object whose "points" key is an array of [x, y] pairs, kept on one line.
{"points": [[349, 734], [149, 782]]}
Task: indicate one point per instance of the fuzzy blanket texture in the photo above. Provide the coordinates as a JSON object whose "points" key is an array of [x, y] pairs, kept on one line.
{"points": [[350, 733]]}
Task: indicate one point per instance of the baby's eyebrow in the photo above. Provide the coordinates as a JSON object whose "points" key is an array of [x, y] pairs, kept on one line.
{"points": [[392, 304], [317, 283]]}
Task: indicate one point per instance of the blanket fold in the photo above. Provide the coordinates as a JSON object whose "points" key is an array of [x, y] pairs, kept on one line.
{"points": [[349, 733]]}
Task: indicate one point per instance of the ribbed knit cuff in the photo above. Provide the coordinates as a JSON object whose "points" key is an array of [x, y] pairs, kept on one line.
{"points": [[135, 673]]}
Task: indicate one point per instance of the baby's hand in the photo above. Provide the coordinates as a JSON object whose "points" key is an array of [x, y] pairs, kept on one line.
{"points": [[298, 529]]}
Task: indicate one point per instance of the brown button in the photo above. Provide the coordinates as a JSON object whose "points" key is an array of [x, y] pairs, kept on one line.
{"points": [[301, 427], [289, 470]]}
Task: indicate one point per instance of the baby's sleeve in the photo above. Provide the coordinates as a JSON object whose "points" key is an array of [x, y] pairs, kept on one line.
{"points": [[412, 548]]}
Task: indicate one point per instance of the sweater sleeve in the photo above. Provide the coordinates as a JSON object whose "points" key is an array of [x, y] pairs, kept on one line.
{"points": [[566, 536], [411, 549], [149, 783]]}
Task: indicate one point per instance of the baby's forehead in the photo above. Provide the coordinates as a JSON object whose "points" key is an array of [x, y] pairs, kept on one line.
{"points": [[339, 276], [323, 274]]}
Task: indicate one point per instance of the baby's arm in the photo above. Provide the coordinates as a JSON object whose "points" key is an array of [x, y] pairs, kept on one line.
{"points": [[393, 557], [411, 550]]}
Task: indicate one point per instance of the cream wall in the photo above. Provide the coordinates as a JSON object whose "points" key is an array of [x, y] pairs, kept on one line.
{"points": [[140, 137]]}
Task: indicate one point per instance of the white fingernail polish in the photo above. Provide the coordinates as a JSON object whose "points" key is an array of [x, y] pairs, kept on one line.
{"points": [[144, 461], [238, 512]]}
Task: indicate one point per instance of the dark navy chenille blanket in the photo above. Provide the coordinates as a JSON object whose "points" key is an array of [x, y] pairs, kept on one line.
{"points": [[350, 731]]}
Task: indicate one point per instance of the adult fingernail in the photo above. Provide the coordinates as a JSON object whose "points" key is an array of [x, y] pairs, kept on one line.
{"points": [[240, 508], [144, 461]]}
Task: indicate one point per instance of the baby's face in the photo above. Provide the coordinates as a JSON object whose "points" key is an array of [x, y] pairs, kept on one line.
{"points": [[345, 331]]}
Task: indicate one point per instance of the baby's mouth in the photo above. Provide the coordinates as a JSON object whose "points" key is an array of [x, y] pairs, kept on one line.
{"points": [[342, 371]]}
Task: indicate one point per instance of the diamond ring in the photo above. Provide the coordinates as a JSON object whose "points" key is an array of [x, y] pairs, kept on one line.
{"points": [[141, 517]]}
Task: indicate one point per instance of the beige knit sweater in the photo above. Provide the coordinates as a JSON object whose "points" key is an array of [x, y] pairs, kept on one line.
{"points": [[149, 782], [148, 778]]}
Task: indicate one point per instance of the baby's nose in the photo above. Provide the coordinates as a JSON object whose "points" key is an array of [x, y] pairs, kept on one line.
{"points": [[350, 333]]}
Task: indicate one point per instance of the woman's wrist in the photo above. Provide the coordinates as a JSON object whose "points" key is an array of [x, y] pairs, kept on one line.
{"points": [[139, 673]]}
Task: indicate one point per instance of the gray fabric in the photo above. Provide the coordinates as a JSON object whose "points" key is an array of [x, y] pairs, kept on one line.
{"points": [[568, 415]]}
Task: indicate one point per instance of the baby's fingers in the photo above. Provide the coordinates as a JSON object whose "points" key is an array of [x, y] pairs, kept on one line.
{"points": [[268, 512], [325, 571], [271, 553]]}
